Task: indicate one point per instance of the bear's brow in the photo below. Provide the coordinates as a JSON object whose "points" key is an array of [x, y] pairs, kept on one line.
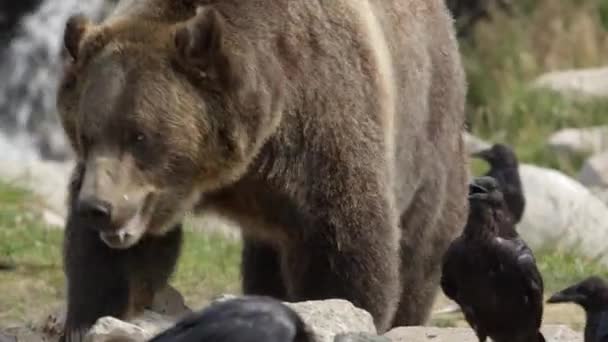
{"points": [[124, 33]]}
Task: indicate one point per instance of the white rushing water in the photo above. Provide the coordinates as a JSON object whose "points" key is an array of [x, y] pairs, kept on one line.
{"points": [[29, 71]]}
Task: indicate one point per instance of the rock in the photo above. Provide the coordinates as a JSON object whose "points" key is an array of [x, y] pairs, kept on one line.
{"points": [[328, 318], [112, 329], [422, 334], [591, 82], [53, 219], [140, 329], [47, 180], [7, 338], [360, 337], [562, 214], [167, 308], [23, 334], [474, 144], [594, 172], [572, 141], [601, 193], [170, 302]]}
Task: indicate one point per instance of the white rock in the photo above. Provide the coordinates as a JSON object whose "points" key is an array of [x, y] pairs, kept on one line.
{"points": [[561, 213], [111, 329], [601, 193], [170, 302], [552, 333], [570, 141], [594, 172], [47, 180], [591, 82], [327, 318], [360, 337], [140, 329]]}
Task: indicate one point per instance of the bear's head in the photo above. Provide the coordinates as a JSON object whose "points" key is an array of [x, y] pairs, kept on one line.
{"points": [[158, 113]]}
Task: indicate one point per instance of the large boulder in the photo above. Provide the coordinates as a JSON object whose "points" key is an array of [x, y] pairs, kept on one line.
{"points": [[573, 141], [329, 318], [46, 180], [562, 214], [594, 172], [326, 318], [552, 333], [591, 82]]}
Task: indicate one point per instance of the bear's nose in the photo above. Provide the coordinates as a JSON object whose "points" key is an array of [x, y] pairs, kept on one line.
{"points": [[95, 209]]}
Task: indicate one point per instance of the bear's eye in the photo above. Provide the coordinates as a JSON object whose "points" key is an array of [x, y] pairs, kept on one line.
{"points": [[138, 138]]}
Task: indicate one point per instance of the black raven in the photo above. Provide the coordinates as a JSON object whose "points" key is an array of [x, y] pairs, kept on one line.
{"points": [[243, 319], [592, 295], [504, 167], [494, 278]]}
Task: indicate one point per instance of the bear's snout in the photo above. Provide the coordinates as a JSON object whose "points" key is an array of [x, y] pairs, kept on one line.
{"points": [[96, 211]]}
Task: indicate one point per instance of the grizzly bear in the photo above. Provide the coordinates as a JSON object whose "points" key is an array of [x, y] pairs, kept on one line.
{"points": [[329, 130]]}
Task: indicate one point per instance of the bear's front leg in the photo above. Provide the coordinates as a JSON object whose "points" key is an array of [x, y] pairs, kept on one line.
{"points": [[260, 270], [97, 281], [352, 253]]}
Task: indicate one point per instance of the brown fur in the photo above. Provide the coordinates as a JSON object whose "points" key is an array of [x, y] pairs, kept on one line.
{"points": [[320, 126]]}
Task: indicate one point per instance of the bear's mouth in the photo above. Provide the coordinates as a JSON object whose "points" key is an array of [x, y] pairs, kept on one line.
{"points": [[129, 234]]}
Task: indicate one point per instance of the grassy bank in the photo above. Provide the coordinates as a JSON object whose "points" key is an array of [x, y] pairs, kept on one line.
{"points": [[506, 54], [208, 267]]}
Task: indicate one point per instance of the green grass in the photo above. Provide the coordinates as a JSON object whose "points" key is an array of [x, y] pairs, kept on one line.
{"points": [[209, 265], [562, 269], [505, 55]]}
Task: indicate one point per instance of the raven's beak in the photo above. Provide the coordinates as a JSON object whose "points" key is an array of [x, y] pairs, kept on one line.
{"points": [[483, 154], [475, 190], [568, 295]]}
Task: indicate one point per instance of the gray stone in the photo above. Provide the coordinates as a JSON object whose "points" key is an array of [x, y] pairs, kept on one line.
{"points": [[139, 329], [592, 82], [47, 181], [111, 329], [562, 214], [7, 338], [552, 333], [328, 318], [170, 302], [572, 141], [594, 172], [360, 337], [23, 334], [601, 193]]}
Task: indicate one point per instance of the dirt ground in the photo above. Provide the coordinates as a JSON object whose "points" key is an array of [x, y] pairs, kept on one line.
{"points": [[568, 314]]}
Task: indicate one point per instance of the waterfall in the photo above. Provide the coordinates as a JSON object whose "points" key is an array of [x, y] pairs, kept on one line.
{"points": [[29, 69]]}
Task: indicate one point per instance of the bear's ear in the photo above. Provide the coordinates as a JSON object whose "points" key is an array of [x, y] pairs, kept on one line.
{"points": [[200, 46], [75, 29]]}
